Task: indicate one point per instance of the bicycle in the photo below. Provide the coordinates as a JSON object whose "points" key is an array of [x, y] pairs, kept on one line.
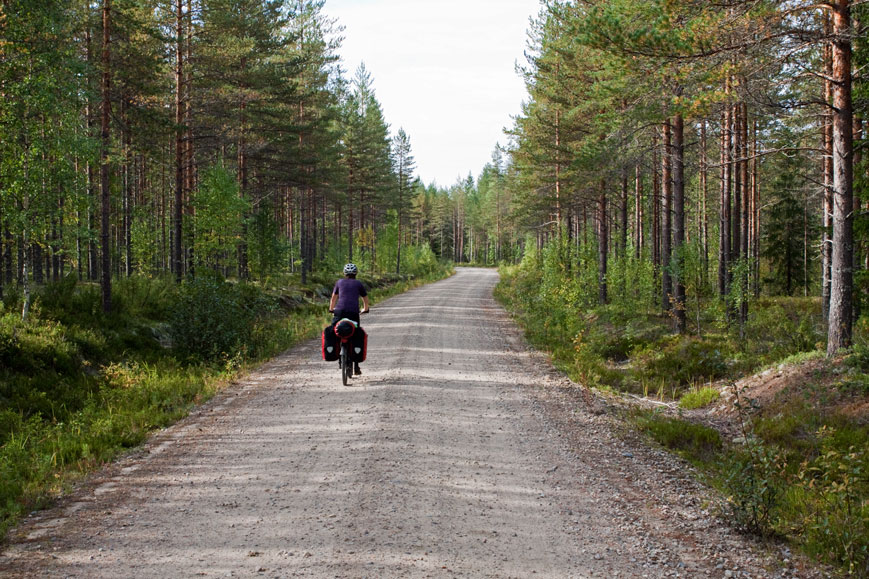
{"points": [[344, 359]]}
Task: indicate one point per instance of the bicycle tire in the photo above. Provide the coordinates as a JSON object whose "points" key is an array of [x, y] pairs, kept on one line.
{"points": [[346, 365]]}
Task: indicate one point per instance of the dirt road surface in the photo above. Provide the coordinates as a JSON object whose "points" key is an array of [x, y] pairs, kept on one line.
{"points": [[458, 453]]}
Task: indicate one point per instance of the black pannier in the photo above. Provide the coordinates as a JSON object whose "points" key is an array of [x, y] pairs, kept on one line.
{"points": [[359, 345], [331, 344]]}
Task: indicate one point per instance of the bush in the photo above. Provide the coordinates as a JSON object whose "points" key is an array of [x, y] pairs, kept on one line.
{"points": [[213, 318], [836, 513], [755, 483], [774, 333], [686, 360]]}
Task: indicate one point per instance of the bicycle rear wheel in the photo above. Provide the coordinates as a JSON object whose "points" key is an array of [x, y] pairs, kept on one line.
{"points": [[346, 365]]}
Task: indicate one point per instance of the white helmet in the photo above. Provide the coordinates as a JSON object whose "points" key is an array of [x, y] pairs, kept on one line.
{"points": [[350, 268]]}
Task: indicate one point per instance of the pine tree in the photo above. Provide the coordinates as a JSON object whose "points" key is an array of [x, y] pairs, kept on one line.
{"points": [[403, 165]]}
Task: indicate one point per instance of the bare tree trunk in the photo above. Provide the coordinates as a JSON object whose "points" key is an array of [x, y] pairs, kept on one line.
{"points": [[623, 211], [827, 232], [667, 216], [656, 205], [678, 164], [755, 213], [603, 245], [105, 192], [842, 262], [724, 223], [746, 201], [703, 225], [189, 158], [127, 234], [178, 209], [638, 212]]}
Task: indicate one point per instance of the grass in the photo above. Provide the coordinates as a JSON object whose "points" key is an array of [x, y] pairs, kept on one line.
{"points": [[699, 398], [77, 388], [698, 444]]}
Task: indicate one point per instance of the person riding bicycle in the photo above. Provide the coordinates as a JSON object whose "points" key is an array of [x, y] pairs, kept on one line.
{"points": [[345, 300]]}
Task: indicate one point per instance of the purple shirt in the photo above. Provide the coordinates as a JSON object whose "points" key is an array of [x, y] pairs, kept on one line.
{"points": [[349, 290]]}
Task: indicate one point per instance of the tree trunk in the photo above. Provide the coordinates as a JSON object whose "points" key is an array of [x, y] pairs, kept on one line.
{"points": [[623, 211], [678, 163], [841, 274], [105, 192], [177, 250], [666, 216], [603, 245], [704, 195], [746, 201], [724, 213], [656, 205], [827, 131], [127, 235]]}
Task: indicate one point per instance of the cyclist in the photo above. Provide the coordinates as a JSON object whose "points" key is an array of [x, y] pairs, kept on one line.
{"points": [[345, 300]]}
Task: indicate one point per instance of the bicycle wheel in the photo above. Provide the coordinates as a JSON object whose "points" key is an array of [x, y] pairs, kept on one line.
{"points": [[346, 365]]}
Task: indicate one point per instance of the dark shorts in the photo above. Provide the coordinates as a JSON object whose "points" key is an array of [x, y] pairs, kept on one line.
{"points": [[341, 314]]}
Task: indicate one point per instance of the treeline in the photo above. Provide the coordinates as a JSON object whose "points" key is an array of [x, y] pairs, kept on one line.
{"points": [[717, 146], [184, 136]]}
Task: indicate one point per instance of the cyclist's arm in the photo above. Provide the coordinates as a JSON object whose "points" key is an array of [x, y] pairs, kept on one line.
{"points": [[364, 304], [333, 301]]}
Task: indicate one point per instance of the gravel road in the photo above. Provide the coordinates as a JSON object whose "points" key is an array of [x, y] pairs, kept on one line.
{"points": [[458, 453]]}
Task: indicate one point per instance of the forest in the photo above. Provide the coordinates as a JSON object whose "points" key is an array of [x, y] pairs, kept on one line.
{"points": [[716, 145], [681, 170]]}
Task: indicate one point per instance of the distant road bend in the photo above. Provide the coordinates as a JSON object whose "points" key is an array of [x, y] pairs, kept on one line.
{"points": [[458, 453]]}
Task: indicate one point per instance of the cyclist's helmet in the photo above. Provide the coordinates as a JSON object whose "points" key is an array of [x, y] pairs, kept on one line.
{"points": [[351, 268]]}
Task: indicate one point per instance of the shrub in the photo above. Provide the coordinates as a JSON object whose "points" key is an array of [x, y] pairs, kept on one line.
{"points": [[774, 333], [213, 318], [686, 360], [835, 510], [755, 483]]}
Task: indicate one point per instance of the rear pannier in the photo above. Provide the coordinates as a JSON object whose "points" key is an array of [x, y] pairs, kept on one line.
{"points": [[359, 345], [331, 344]]}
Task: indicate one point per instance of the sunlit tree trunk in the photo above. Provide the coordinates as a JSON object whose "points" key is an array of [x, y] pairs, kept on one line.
{"points": [[827, 219], [841, 274]]}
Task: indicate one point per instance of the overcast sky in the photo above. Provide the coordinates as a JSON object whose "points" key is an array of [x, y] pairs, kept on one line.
{"points": [[444, 70]]}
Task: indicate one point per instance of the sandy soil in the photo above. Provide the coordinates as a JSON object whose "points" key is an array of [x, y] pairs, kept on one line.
{"points": [[458, 453]]}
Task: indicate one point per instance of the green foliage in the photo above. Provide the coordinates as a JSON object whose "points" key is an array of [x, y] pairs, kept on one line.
{"points": [[777, 328], [699, 398], [215, 319], [834, 489], [267, 250], [219, 218], [686, 361], [42, 369], [697, 443], [755, 485], [785, 233]]}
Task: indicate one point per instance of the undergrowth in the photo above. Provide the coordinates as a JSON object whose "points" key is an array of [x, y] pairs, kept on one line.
{"points": [[800, 468]]}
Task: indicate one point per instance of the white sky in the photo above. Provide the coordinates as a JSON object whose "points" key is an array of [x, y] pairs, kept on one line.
{"points": [[444, 70]]}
